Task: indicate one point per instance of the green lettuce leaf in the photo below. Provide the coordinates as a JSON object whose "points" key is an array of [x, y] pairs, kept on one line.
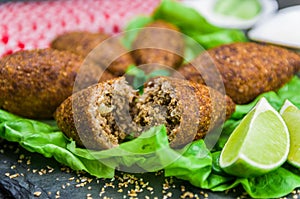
{"points": [[36, 136], [185, 18]]}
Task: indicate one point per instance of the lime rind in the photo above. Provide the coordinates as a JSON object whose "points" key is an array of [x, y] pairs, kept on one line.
{"points": [[291, 116], [287, 104], [243, 164]]}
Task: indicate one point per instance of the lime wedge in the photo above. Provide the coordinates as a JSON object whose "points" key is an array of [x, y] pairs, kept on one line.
{"points": [[259, 144], [291, 115]]}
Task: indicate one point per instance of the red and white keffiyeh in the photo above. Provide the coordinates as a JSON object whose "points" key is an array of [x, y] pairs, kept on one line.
{"points": [[33, 24]]}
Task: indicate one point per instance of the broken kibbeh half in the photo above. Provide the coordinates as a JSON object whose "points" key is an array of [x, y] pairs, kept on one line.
{"points": [[98, 117], [188, 110]]}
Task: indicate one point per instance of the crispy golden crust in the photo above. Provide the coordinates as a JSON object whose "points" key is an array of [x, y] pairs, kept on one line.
{"points": [[82, 43], [65, 119], [213, 108], [162, 44], [72, 117], [34, 82], [247, 69], [89, 74], [112, 55]]}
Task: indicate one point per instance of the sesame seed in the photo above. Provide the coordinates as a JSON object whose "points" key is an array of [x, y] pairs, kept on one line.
{"points": [[295, 197], [149, 188], [14, 176], [187, 195], [169, 194], [182, 188], [37, 193], [132, 193]]}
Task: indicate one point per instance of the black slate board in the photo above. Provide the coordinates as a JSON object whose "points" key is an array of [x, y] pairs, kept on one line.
{"points": [[22, 174]]}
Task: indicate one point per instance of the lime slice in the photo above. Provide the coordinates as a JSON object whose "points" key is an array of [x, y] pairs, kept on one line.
{"points": [[259, 144], [291, 115]]}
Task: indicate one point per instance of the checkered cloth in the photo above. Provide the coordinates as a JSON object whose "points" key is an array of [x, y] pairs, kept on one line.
{"points": [[33, 24]]}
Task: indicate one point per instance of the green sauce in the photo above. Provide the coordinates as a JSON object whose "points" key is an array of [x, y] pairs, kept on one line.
{"points": [[246, 9]]}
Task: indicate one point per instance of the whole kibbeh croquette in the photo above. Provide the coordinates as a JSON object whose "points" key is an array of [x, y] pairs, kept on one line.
{"points": [[247, 69], [33, 83], [101, 48], [101, 116], [159, 44]]}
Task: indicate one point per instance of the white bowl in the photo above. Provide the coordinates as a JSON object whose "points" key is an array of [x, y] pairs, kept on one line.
{"points": [[205, 8], [281, 29]]}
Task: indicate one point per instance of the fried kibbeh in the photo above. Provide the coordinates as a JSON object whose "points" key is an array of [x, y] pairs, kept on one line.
{"points": [[159, 44], [101, 116], [98, 117], [80, 43], [90, 73], [247, 69], [188, 110], [105, 51], [33, 83]]}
